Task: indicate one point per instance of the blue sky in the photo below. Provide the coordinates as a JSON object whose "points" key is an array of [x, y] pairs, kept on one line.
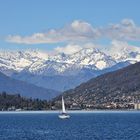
{"points": [[27, 17]]}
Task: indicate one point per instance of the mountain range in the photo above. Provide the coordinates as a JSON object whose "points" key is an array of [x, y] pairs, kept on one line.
{"points": [[62, 71]]}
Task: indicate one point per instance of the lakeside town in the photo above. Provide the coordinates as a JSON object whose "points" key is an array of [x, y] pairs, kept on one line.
{"points": [[18, 103], [74, 106]]}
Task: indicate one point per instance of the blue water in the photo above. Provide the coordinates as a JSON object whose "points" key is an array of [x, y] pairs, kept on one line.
{"points": [[81, 126]]}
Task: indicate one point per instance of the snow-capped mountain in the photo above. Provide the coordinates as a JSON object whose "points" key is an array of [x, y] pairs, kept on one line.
{"points": [[71, 65], [49, 68], [87, 57], [16, 61], [121, 52], [92, 57], [64, 71]]}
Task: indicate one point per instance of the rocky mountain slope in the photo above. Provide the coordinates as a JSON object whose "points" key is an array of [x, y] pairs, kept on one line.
{"points": [[121, 85]]}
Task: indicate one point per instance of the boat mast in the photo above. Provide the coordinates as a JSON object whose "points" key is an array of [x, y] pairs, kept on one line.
{"points": [[63, 106]]}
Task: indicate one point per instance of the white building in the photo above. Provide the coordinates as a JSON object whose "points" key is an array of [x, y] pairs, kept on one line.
{"points": [[137, 106]]}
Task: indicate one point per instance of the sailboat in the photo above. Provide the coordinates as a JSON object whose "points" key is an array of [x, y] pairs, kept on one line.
{"points": [[64, 114]]}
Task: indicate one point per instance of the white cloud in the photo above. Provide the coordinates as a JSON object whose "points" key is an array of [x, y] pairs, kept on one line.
{"points": [[122, 46], [68, 49], [80, 31], [76, 31], [72, 48], [125, 30], [120, 49]]}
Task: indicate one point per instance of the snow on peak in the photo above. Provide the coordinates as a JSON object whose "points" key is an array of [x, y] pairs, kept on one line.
{"points": [[92, 56], [18, 60], [122, 51], [39, 62]]}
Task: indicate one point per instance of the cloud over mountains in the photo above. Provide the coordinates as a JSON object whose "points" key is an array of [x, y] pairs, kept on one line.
{"points": [[81, 31], [76, 31]]}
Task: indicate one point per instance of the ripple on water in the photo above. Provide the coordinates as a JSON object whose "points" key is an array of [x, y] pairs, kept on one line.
{"points": [[96, 126]]}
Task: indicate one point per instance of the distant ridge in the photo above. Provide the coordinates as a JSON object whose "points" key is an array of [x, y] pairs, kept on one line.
{"points": [[10, 85]]}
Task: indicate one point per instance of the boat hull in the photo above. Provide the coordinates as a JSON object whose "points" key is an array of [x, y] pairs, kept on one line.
{"points": [[64, 116]]}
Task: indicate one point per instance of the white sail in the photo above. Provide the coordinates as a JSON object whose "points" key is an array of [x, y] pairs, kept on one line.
{"points": [[63, 106], [63, 115]]}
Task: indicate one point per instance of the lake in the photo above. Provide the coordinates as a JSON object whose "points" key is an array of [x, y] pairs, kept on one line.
{"points": [[98, 125]]}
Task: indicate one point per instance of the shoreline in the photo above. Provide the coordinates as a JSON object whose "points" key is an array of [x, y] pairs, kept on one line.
{"points": [[69, 111]]}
